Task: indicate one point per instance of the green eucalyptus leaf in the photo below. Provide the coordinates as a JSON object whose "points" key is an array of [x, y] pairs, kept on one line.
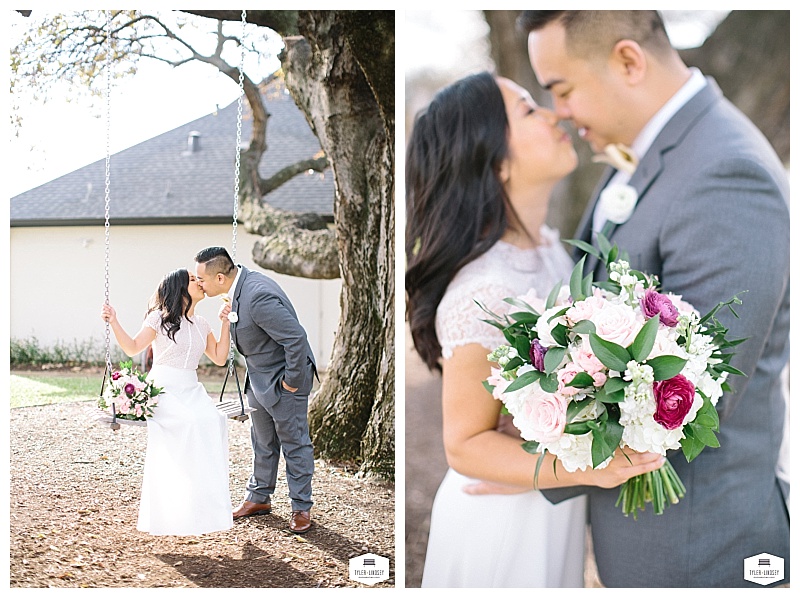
{"points": [[524, 380], [576, 281], [581, 380], [584, 327], [549, 383], [610, 354], [553, 296], [584, 246], [666, 366], [645, 339], [552, 359]]}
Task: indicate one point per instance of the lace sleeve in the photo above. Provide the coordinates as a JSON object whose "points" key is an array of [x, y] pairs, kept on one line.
{"points": [[153, 320], [459, 320], [203, 326]]}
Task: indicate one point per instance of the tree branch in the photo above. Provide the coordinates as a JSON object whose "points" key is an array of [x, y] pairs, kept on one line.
{"points": [[265, 186]]}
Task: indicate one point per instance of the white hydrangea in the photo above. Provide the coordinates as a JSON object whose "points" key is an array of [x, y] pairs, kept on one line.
{"points": [[574, 452], [648, 436]]}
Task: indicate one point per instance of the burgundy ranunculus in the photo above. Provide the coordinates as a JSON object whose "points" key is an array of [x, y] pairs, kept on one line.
{"points": [[116, 376], [654, 303], [130, 389], [537, 354], [674, 398]]}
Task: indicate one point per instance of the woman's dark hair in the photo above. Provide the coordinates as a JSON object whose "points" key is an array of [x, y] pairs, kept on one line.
{"points": [[174, 301], [456, 207]]}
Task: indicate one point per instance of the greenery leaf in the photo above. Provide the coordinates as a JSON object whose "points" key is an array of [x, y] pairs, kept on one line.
{"points": [[610, 354], [553, 358], [576, 281], [605, 440], [666, 366], [530, 446], [549, 383], [584, 246], [577, 428], [551, 298], [584, 327], [524, 380], [582, 380], [645, 339], [559, 333], [524, 317]]}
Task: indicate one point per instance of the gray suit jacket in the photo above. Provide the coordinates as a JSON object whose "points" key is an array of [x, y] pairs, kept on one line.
{"points": [[711, 221], [270, 337]]}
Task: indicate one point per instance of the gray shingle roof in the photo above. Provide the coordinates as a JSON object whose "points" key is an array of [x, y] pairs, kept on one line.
{"points": [[160, 180]]}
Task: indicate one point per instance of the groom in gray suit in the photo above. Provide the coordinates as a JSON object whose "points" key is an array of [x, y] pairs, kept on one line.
{"points": [[711, 221], [280, 371]]}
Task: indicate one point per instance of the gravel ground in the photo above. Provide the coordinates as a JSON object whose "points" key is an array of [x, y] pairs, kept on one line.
{"points": [[74, 497]]}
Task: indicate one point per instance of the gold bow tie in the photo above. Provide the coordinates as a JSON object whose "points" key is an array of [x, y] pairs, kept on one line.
{"points": [[619, 156]]}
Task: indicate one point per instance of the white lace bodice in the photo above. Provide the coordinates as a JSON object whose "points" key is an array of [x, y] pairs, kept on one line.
{"points": [[503, 271], [189, 345]]}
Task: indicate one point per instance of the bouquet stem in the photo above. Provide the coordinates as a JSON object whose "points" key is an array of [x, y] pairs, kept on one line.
{"points": [[654, 487]]}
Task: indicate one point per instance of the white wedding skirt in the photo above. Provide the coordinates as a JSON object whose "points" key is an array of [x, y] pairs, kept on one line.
{"points": [[185, 490], [510, 541]]}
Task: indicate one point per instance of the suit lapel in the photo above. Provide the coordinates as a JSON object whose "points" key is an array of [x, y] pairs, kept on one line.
{"points": [[235, 300]]}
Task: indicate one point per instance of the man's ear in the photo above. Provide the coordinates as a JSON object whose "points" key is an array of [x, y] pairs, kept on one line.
{"points": [[630, 60]]}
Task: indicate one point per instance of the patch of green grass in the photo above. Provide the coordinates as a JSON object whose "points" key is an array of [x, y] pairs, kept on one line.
{"points": [[32, 389]]}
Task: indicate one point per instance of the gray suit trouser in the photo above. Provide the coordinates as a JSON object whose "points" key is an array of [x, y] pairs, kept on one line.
{"points": [[283, 425]]}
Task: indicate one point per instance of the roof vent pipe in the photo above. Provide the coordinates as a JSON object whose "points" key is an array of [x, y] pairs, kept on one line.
{"points": [[194, 142]]}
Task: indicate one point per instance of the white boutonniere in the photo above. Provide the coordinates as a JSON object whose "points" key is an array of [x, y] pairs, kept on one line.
{"points": [[233, 317], [619, 156], [618, 202]]}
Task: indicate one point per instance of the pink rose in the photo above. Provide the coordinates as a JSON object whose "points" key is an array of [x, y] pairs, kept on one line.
{"points": [[500, 384], [542, 415], [674, 399], [586, 309], [655, 304], [565, 376], [586, 360], [617, 324]]}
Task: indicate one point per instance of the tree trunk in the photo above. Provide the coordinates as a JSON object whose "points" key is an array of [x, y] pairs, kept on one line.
{"points": [[352, 415], [748, 55]]}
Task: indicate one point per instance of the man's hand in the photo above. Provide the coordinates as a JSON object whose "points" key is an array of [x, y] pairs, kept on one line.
{"points": [[287, 387]]}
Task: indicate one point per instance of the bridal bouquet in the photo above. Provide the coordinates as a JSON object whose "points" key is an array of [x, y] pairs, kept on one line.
{"points": [[132, 395], [596, 367]]}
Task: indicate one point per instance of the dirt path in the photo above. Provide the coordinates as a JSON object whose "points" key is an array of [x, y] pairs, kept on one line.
{"points": [[74, 495]]}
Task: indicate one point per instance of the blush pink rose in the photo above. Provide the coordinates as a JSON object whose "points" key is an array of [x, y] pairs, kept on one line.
{"points": [[674, 399], [500, 384], [539, 415], [586, 309], [565, 376], [617, 324], [587, 361]]}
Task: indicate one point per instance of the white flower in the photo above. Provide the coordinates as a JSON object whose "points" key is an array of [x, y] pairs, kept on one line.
{"points": [[546, 323], [619, 156], [233, 317], [618, 202]]}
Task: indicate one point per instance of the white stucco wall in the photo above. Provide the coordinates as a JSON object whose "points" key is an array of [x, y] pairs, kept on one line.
{"points": [[58, 280]]}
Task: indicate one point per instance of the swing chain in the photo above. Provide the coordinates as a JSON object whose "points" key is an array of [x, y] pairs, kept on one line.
{"points": [[108, 183], [231, 358], [238, 138]]}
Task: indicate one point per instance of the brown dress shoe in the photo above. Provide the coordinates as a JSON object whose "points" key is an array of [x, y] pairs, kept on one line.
{"points": [[248, 509], [301, 522]]}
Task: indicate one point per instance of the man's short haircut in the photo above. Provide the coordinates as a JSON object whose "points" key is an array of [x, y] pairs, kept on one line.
{"points": [[595, 32], [216, 259]]}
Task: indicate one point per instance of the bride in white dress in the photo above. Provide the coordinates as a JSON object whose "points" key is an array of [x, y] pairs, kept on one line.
{"points": [[482, 162], [185, 489]]}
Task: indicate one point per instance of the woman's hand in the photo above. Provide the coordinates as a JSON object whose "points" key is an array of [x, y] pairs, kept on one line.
{"points": [[224, 311], [620, 468], [108, 314]]}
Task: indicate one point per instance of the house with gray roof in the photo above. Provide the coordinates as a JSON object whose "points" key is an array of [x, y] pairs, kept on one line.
{"points": [[170, 196]]}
